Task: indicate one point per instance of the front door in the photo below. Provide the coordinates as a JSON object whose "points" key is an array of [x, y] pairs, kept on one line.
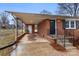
{"points": [[52, 27], [30, 28]]}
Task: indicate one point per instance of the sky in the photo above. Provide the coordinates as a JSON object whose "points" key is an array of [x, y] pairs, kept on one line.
{"points": [[28, 7]]}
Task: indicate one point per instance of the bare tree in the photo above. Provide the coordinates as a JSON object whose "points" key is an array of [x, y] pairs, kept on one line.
{"points": [[45, 12], [71, 9], [4, 20]]}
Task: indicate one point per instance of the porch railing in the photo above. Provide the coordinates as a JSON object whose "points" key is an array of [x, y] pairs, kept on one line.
{"points": [[68, 35]]}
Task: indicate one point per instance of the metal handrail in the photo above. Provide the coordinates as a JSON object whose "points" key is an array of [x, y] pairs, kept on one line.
{"points": [[68, 35]]}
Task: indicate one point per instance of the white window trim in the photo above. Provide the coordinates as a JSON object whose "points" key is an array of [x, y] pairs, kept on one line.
{"points": [[70, 24]]}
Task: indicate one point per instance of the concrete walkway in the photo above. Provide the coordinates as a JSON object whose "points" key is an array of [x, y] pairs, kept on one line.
{"points": [[39, 47]]}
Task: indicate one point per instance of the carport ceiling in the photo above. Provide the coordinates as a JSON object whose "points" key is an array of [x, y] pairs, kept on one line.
{"points": [[30, 18]]}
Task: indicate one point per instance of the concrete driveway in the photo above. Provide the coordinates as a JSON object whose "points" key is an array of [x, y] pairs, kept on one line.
{"points": [[39, 47]]}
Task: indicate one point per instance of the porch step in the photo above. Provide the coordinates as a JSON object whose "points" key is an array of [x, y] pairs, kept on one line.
{"points": [[68, 45], [60, 40], [66, 42]]}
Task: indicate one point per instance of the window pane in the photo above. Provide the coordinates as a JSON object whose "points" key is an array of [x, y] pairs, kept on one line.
{"points": [[72, 24], [67, 24]]}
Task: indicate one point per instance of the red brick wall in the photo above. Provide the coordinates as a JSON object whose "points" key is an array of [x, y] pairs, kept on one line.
{"points": [[60, 30], [76, 41], [43, 27], [76, 34]]}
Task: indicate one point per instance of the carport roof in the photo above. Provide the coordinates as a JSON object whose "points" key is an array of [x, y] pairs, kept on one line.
{"points": [[31, 18]]}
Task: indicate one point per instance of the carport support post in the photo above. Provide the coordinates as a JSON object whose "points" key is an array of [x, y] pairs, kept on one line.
{"points": [[22, 27], [16, 27]]}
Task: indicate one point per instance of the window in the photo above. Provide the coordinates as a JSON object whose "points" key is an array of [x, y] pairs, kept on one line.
{"points": [[70, 24]]}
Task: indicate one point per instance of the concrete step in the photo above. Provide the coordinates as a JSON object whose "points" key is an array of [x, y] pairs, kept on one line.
{"points": [[66, 43], [69, 44], [62, 40], [70, 47]]}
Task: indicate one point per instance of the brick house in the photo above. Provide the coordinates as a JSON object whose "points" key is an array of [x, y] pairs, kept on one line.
{"points": [[51, 25]]}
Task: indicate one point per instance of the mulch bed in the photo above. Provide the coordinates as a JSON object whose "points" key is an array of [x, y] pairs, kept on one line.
{"points": [[58, 47]]}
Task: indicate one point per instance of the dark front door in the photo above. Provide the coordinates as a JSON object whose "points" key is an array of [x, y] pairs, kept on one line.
{"points": [[52, 27]]}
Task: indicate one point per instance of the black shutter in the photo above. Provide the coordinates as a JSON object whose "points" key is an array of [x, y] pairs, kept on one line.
{"points": [[77, 24], [63, 23]]}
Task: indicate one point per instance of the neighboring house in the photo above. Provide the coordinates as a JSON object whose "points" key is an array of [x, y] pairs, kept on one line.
{"points": [[50, 25]]}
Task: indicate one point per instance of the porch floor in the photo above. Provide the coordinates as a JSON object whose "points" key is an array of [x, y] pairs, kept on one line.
{"points": [[39, 47]]}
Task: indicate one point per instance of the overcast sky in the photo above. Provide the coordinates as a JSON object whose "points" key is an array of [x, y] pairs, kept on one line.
{"points": [[29, 7]]}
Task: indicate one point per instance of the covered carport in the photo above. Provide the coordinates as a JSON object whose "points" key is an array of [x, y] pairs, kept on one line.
{"points": [[34, 46], [31, 21]]}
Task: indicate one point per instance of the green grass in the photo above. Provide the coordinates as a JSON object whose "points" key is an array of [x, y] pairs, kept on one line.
{"points": [[19, 32], [6, 52], [6, 37]]}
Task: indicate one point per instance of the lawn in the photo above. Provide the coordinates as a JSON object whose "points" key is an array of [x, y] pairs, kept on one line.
{"points": [[6, 37]]}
